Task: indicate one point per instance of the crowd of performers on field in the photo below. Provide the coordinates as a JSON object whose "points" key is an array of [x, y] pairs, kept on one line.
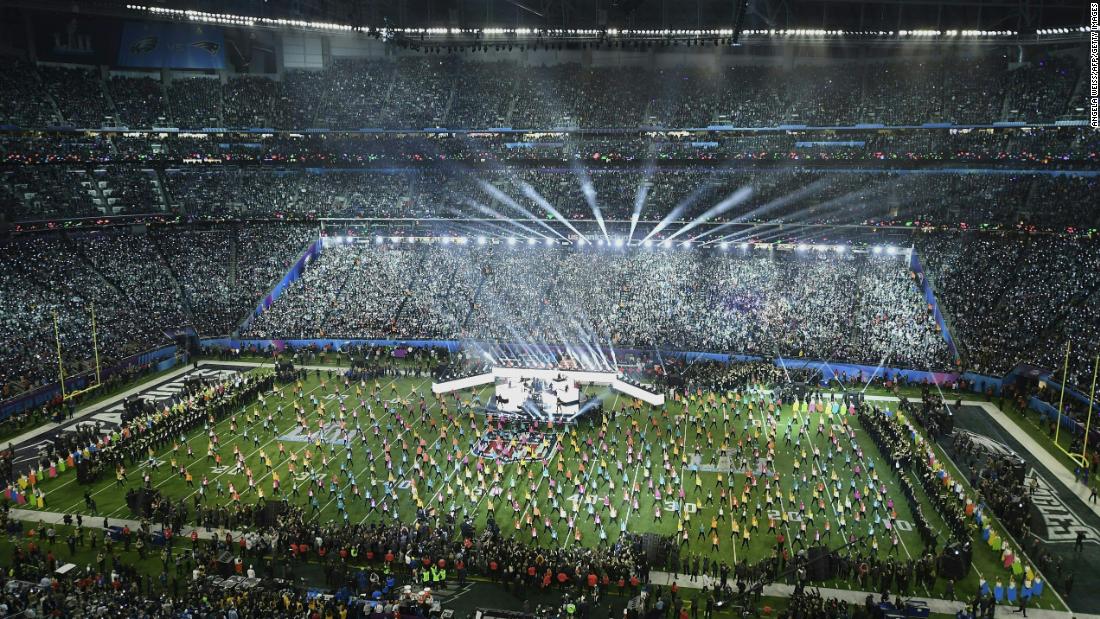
{"points": [[92, 451], [580, 489]]}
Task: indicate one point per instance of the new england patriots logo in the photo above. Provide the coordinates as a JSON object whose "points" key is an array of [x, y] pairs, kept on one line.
{"points": [[210, 47]]}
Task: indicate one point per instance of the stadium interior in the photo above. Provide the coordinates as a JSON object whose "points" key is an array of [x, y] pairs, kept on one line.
{"points": [[534, 309]]}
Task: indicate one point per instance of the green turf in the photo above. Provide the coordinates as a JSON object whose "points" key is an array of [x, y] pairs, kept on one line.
{"points": [[680, 431]]}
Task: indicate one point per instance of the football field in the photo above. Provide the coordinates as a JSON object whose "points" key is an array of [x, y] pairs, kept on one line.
{"points": [[714, 471]]}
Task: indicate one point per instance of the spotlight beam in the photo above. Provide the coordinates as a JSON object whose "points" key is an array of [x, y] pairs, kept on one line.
{"points": [[642, 193], [691, 199], [848, 203], [493, 213], [534, 195], [729, 202], [505, 199], [590, 196], [772, 205]]}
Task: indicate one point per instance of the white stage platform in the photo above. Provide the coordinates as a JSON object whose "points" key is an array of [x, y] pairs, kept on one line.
{"points": [[513, 384]]}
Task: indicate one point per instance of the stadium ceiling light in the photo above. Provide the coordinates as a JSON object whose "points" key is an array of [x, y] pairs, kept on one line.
{"points": [[481, 240], [802, 247], [877, 249], [511, 240], [445, 240], [890, 249], [724, 245], [744, 246], [531, 240], [461, 240], [378, 240], [549, 241], [618, 242], [647, 243], [395, 239]]}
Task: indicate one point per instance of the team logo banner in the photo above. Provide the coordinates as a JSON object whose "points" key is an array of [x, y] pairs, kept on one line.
{"points": [[171, 46]]}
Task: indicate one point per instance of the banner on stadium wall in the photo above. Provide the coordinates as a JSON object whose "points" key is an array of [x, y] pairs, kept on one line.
{"points": [[307, 256], [865, 373], [171, 46], [834, 144], [280, 345], [930, 297], [984, 384], [78, 39]]}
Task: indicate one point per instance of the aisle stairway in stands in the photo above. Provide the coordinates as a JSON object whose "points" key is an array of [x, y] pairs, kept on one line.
{"points": [[422, 254], [233, 241], [177, 287], [948, 316], [474, 299], [67, 239], [442, 120]]}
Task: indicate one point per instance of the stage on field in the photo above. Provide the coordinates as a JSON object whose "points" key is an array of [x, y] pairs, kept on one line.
{"points": [[546, 394]]}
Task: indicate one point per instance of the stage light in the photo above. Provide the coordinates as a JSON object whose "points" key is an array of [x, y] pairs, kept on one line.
{"points": [[395, 239], [601, 242], [744, 245], [462, 240], [724, 245], [511, 240], [890, 249], [877, 249], [531, 241], [378, 240], [686, 244], [618, 242], [647, 243], [820, 248], [481, 240], [840, 249], [446, 240], [802, 247], [666, 243], [549, 241]]}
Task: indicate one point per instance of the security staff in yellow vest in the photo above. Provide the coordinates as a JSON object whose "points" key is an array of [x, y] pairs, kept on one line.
{"points": [[439, 576]]}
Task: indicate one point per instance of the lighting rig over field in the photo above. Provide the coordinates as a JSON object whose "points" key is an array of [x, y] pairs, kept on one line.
{"points": [[620, 243], [500, 39]]}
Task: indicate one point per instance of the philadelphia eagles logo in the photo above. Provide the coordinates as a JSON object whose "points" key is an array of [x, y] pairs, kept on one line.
{"points": [[143, 45]]}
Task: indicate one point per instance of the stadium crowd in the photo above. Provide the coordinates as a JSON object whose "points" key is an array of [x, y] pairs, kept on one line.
{"points": [[802, 194], [139, 285], [787, 303], [414, 92], [1007, 297]]}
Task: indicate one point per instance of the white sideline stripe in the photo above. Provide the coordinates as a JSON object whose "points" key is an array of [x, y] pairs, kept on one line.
{"points": [[102, 405]]}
